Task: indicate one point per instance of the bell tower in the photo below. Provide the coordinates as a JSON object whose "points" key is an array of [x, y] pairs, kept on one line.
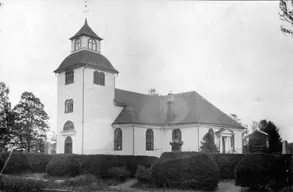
{"points": [[85, 97], [86, 39]]}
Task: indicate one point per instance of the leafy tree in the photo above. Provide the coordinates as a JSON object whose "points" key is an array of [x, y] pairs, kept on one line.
{"points": [[6, 117], [153, 92], [208, 144], [31, 123], [286, 15], [275, 140]]}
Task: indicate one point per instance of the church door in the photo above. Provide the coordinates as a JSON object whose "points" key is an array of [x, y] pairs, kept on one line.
{"points": [[68, 145], [223, 144]]}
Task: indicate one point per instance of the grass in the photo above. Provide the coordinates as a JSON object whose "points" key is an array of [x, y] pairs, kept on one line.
{"points": [[28, 182]]}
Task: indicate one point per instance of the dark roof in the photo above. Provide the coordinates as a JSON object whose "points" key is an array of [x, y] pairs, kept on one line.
{"points": [[86, 30], [85, 57], [189, 107]]}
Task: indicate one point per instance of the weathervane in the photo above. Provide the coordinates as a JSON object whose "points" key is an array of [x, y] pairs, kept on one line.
{"points": [[85, 8]]}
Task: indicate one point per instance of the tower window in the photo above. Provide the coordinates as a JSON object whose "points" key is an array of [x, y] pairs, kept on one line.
{"points": [[102, 78], [149, 140], [69, 106], [99, 78], [69, 77], [118, 139], [92, 44], [77, 44]]}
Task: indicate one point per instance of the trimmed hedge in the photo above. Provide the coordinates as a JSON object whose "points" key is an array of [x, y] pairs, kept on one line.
{"points": [[119, 173], [39, 161], [263, 171], [18, 163], [197, 171], [226, 162], [99, 165], [64, 165], [144, 174]]}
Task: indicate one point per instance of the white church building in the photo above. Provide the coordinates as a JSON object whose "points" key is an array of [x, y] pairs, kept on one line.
{"points": [[95, 117]]}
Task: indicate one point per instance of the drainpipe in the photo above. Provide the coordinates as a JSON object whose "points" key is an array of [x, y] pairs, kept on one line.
{"points": [[82, 119]]}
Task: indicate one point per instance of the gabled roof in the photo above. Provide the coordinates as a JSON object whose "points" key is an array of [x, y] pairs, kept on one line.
{"points": [[189, 107], [84, 57], [86, 30]]}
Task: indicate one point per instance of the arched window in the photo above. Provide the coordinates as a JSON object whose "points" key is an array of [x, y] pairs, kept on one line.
{"points": [[96, 77], [77, 44], [102, 78], [68, 126], [92, 44], [68, 145], [118, 139], [149, 140], [69, 106], [176, 135], [69, 77]]}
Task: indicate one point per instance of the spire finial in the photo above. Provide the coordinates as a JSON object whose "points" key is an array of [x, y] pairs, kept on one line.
{"points": [[85, 10]]}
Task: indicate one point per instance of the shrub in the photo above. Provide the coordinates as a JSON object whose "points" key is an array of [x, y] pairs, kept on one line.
{"points": [[263, 171], [143, 174], [16, 184], [197, 171], [39, 162], [63, 165], [18, 163], [225, 162], [99, 165], [119, 173]]}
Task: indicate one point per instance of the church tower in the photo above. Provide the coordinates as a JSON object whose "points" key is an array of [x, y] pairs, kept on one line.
{"points": [[86, 87]]}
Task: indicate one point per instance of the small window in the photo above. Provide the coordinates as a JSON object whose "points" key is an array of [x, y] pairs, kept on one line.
{"points": [[176, 135], [99, 78], [96, 77], [68, 126], [69, 77], [118, 139], [102, 78], [69, 106], [77, 44], [92, 44], [149, 140]]}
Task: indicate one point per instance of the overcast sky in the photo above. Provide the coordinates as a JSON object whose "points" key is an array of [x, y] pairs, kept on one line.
{"points": [[232, 53]]}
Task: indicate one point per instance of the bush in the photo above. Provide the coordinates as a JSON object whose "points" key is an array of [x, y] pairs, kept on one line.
{"points": [[16, 184], [119, 173], [64, 165], [225, 162], [143, 174], [99, 165], [197, 171], [263, 171], [18, 163], [39, 162]]}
